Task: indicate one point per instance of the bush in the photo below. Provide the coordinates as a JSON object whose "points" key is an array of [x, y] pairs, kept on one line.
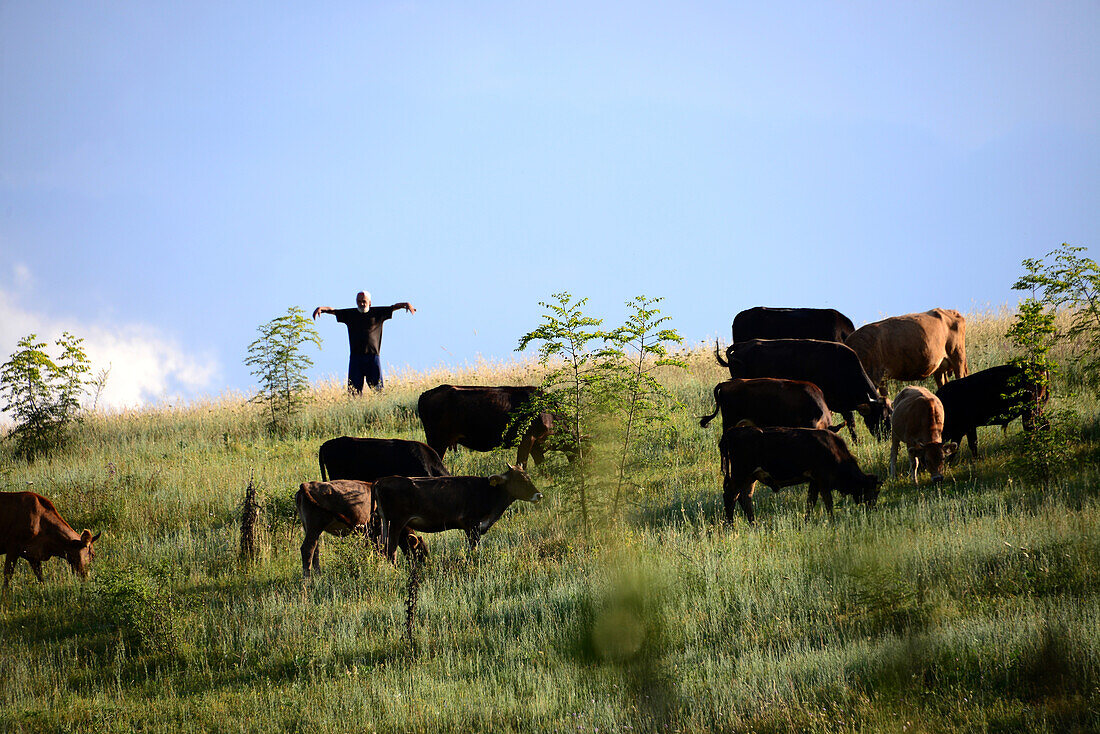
{"points": [[141, 609]]}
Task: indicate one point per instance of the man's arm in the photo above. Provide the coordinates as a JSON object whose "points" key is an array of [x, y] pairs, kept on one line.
{"points": [[322, 309], [405, 305]]}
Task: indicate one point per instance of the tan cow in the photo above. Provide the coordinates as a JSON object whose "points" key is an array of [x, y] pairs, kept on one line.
{"points": [[918, 421], [912, 347]]}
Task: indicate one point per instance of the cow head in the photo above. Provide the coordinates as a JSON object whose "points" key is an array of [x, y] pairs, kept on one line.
{"points": [[930, 457], [516, 482], [877, 416], [80, 553], [868, 490]]}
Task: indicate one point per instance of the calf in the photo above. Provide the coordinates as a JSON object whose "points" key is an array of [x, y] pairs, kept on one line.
{"points": [[784, 457], [918, 421], [31, 528], [992, 397], [432, 505], [340, 507], [769, 402]]}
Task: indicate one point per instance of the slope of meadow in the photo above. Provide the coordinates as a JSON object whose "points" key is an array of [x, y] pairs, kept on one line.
{"points": [[972, 605]]}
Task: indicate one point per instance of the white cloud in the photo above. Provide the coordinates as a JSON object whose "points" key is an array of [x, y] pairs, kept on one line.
{"points": [[144, 366]]}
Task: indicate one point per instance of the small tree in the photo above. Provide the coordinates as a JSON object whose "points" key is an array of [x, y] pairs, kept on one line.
{"points": [[280, 365], [1067, 279], [570, 388], [43, 395], [1043, 444], [638, 348]]}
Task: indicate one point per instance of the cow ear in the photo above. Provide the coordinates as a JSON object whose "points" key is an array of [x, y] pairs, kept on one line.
{"points": [[96, 536], [496, 480], [86, 537]]}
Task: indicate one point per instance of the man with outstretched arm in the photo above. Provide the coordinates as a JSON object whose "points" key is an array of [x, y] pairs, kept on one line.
{"points": [[365, 338]]}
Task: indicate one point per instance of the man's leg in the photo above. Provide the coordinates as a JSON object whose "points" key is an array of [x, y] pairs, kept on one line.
{"points": [[356, 372], [374, 371]]}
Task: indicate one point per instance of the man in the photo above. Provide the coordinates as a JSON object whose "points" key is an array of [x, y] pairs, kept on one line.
{"points": [[365, 336]]}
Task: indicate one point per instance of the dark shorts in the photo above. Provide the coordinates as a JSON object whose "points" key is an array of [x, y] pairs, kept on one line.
{"points": [[364, 366]]}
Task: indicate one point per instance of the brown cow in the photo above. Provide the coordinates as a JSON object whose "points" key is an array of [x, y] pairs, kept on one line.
{"points": [[340, 507], [918, 421], [784, 457], [912, 347], [32, 528], [770, 402], [435, 504]]}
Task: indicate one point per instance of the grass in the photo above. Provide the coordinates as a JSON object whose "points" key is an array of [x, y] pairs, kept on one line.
{"points": [[969, 606]]}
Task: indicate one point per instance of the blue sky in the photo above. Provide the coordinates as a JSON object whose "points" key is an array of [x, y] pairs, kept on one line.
{"points": [[172, 175]]}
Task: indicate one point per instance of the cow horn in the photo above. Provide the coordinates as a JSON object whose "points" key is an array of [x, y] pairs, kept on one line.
{"points": [[96, 536]]}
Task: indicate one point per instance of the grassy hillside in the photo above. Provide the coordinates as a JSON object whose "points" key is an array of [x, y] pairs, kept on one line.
{"points": [[972, 605]]}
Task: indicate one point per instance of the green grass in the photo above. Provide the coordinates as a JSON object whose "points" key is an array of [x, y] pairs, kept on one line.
{"points": [[970, 606]]}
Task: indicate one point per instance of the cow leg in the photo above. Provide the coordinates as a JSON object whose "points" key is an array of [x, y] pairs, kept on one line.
{"points": [[36, 566], [311, 552], [811, 499], [745, 500], [972, 441], [916, 467], [9, 568], [738, 493], [473, 535], [391, 538], [894, 457], [827, 498], [850, 420]]}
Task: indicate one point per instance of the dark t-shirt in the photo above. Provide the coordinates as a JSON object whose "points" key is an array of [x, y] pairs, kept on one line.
{"points": [[364, 329]]}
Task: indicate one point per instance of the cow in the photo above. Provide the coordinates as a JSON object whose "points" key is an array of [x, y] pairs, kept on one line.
{"points": [[992, 397], [367, 459], [340, 507], [825, 324], [768, 402], [912, 347], [483, 418], [918, 422], [432, 505], [784, 457], [32, 528], [831, 366]]}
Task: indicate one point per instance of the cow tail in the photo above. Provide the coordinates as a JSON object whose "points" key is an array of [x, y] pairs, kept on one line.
{"points": [[321, 462], [718, 355], [705, 419]]}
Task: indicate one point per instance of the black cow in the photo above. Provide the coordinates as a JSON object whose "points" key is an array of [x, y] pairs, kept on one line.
{"points": [[825, 324], [831, 366], [992, 397], [367, 459], [432, 505], [770, 402], [784, 457], [483, 418]]}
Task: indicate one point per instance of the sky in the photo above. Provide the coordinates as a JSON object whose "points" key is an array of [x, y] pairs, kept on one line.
{"points": [[174, 175]]}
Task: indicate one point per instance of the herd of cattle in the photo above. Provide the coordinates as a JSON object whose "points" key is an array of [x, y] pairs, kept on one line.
{"points": [[790, 370]]}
